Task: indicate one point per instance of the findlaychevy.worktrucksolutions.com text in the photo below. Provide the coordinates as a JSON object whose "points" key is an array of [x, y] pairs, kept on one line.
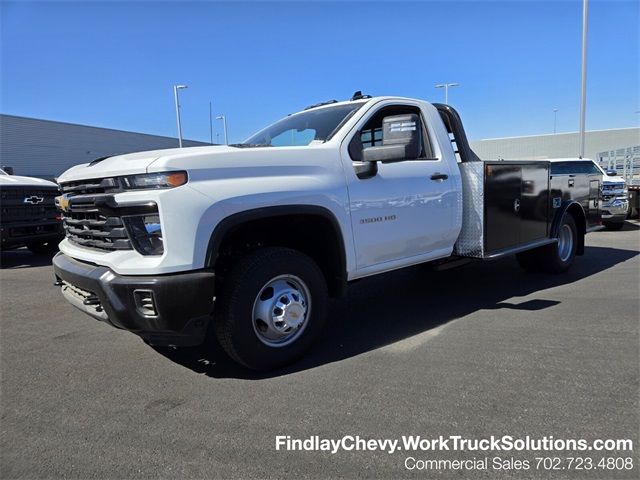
{"points": [[504, 443]]}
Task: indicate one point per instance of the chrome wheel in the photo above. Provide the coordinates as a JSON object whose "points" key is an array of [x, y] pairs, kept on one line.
{"points": [[281, 310], [565, 242]]}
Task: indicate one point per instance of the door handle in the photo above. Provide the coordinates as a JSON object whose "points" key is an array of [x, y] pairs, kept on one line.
{"points": [[439, 176], [516, 205]]}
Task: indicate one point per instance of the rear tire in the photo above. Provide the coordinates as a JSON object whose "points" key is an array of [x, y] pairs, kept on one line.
{"points": [[554, 258], [558, 257], [42, 248], [272, 307]]}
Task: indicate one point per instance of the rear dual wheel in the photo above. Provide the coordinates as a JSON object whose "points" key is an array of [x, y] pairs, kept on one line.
{"points": [[554, 258]]}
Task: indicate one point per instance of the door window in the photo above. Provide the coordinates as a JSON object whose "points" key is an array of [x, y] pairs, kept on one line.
{"points": [[370, 135], [574, 167]]}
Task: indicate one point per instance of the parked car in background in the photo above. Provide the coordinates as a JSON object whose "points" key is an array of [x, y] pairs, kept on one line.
{"points": [[615, 200], [624, 163], [28, 215]]}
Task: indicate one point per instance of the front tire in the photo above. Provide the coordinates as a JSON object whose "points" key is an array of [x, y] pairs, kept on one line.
{"points": [[272, 308]]}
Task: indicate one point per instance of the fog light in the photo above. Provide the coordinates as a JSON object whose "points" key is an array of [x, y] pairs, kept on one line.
{"points": [[145, 303], [145, 233]]}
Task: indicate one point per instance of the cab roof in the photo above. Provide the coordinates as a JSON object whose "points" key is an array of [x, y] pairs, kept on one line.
{"points": [[366, 99]]}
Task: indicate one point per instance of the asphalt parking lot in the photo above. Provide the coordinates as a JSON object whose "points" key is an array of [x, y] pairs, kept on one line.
{"points": [[483, 350]]}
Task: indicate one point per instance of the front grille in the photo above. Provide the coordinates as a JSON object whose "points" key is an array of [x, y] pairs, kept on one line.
{"points": [[19, 230], [8, 193], [27, 204], [92, 186], [94, 219], [87, 227], [607, 187], [28, 214]]}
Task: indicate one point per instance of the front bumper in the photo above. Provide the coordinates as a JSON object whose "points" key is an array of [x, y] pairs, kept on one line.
{"points": [[172, 309], [615, 212], [18, 234], [617, 218]]}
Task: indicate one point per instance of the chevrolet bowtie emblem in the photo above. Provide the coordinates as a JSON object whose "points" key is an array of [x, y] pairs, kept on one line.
{"points": [[62, 202], [33, 200]]}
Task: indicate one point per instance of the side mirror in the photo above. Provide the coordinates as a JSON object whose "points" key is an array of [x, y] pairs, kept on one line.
{"points": [[8, 170], [611, 173], [401, 140]]}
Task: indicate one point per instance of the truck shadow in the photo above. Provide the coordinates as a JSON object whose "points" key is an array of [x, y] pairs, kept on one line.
{"points": [[23, 258], [630, 226], [392, 307]]}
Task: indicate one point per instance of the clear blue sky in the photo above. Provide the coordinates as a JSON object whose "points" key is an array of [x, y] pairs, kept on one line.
{"points": [[113, 64]]}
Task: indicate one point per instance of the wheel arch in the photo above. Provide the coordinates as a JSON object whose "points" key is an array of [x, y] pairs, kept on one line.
{"points": [[576, 210], [321, 238]]}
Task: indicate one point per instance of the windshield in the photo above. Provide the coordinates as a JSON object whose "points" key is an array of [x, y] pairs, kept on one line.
{"points": [[303, 128]]}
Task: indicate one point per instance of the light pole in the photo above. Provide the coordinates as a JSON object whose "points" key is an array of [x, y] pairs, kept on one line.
{"points": [[175, 96], [224, 123], [210, 124], [446, 89], [583, 89], [555, 120]]}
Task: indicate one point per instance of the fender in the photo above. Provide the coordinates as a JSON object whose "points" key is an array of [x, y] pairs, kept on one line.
{"points": [[575, 209], [230, 223]]}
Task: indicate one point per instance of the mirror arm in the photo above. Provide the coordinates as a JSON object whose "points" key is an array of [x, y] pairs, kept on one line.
{"points": [[366, 170]]}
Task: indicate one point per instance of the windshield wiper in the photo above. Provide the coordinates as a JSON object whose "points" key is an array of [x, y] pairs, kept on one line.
{"points": [[249, 145]]}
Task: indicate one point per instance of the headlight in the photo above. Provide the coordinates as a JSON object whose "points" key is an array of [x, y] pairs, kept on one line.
{"points": [[155, 180], [145, 233]]}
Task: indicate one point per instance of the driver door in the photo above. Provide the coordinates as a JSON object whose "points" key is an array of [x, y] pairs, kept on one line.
{"points": [[401, 212]]}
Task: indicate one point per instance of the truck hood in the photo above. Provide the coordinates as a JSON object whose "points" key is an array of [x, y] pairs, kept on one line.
{"points": [[134, 163], [612, 179], [17, 181], [221, 158]]}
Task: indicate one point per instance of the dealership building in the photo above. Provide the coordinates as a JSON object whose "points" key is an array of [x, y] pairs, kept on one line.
{"points": [[45, 148], [600, 145]]}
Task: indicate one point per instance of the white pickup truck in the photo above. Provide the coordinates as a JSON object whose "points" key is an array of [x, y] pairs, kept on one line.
{"points": [[615, 200], [248, 241]]}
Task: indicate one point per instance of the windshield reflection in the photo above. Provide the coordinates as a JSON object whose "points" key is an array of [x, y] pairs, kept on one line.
{"points": [[303, 128]]}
